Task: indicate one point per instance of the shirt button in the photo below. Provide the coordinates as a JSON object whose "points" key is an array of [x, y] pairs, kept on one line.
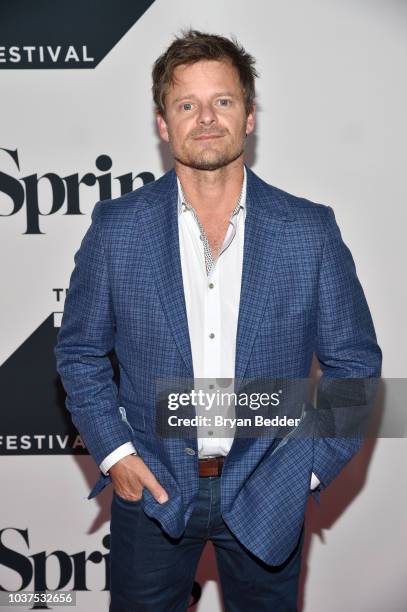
{"points": [[210, 433], [211, 386], [189, 451], [211, 335], [211, 285]]}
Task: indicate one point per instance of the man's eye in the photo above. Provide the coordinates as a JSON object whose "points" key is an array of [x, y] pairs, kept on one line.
{"points": [[224, 101], [186, 106]]}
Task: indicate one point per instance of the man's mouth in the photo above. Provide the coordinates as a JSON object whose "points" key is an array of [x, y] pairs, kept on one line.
{"points": [[208, 136]]}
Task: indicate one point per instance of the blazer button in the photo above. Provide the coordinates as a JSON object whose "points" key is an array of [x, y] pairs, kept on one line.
{"points": [[190, 451]]}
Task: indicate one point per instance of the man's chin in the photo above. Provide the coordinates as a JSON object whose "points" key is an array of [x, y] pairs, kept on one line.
{"points": [[208, 163]]}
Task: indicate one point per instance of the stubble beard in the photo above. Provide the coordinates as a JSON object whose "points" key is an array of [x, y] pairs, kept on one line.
{"points": [[208, 159]]}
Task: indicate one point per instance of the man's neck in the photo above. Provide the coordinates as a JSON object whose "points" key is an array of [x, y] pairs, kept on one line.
{"points": [[212, 192]]}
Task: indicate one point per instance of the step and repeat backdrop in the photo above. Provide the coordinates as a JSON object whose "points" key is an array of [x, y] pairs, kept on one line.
{"points": [[77, 126]]}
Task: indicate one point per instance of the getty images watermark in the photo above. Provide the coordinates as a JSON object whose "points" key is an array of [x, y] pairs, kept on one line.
{"points": [[299, 407], [208, 403]]}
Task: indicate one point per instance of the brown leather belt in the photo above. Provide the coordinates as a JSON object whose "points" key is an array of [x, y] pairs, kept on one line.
{"points": [[211, 466]]}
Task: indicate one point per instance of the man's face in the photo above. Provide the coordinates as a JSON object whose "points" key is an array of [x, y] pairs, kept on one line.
{"points": [[206, 122]]}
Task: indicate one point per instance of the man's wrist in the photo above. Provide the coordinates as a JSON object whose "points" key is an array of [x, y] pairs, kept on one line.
{"points": [[127, 455], [121, 451]]}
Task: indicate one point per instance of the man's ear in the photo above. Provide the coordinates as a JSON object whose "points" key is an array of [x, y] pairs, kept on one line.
{"points": [[251, 119], [162, 127]]}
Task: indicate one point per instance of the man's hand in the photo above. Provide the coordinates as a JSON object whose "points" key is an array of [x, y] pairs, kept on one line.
{"points": [[130, 474]]}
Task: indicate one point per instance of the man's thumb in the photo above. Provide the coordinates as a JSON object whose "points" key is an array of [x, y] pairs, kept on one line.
{"points": [[159, 493]]}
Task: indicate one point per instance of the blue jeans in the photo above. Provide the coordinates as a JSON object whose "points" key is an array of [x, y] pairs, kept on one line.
{"points": [[150, 571]]}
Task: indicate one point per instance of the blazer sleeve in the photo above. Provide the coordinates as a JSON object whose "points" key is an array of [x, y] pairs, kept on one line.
{"points": [[346, 349], [84, 340]]}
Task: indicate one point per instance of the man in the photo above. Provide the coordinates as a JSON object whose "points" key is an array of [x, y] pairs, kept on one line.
{"points": [[208, 273]]}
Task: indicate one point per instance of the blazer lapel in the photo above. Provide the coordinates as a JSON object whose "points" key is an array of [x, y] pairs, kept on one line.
{"points": [[265, 225], [162, 239]]}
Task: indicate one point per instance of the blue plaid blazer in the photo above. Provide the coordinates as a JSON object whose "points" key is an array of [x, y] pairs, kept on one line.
{"points": [[300, 294]]}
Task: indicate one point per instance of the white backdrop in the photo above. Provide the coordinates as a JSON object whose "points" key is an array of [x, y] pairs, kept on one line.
{"points": [[331, 126]]}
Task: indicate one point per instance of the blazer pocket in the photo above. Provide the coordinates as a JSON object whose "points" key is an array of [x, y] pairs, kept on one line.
{"points": [[299, 319]]}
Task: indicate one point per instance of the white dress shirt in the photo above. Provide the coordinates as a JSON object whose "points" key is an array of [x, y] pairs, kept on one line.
{"points": [[212, 297]]}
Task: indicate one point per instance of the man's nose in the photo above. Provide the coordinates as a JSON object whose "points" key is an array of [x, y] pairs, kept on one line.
{"points": [[207, 115]]}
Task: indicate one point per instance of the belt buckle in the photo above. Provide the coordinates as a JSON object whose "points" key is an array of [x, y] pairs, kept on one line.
{"points": [[213, 462]]}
